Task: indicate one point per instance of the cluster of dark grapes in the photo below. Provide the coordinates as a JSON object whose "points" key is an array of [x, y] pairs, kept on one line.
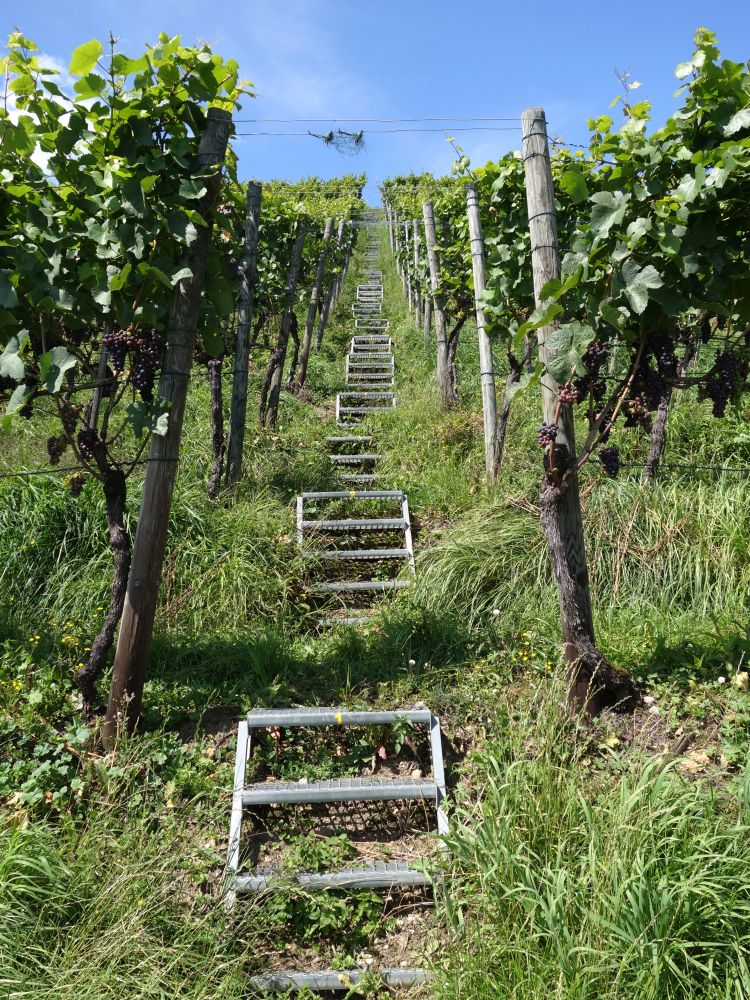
{"points": [[610, 461], [69, 414], [145, 346], [594, 358], [117, 344], [87, 441], [662, 348], [75, 484], [722, 381], [146, 362], [637, 413], [568, 394], [547, 434], [56, 445]]}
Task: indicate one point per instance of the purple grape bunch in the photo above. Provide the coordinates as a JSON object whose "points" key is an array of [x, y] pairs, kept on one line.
{"points": [[722, 382], [610, 461], [547, 434]]}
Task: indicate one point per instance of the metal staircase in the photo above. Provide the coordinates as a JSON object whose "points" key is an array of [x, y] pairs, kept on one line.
{"points": [[381, 875], [358, 540]]}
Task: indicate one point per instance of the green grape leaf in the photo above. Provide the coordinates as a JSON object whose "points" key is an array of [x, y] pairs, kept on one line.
{"points": [[53, 365], [85, 57], [638, 281], [738, 122], [568, 345], [11, 365], [150, 417], [8, 297], [574, 185]]}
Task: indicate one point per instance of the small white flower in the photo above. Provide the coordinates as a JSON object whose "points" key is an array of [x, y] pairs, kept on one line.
{"points": [[495, 612], [654, 710], [721, 680], [412, 663], [649, 699]]}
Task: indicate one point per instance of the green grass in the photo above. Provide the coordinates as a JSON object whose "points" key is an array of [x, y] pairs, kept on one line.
{"points": [[583, 864]]}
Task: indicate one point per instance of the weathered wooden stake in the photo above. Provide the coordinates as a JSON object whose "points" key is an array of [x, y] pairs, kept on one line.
{"points": [[486, 363], [332, 291], [271, 391], [443, 376], [417, 285], [427, 320], [408, 256], [312, 309], [238, 412], [594, 682], [139, 611]]}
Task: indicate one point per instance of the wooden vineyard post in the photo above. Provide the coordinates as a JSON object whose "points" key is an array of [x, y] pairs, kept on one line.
{"points": [[271, 390], [238, 412], [397, 247], [486, 364], [417, 286], [427, 319], [407, 267], [312, 309], [139, 611], [437, 304], [332, 291], [593, 682]]}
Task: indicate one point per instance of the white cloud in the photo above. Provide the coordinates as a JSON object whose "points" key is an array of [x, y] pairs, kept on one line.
{"points": [[298, 68]]}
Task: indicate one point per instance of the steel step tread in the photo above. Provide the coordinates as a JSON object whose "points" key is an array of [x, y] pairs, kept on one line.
{"points": [[354, 459], [334, 979], [359, 524], [354, 495], [349, 439], [359, 477], [339, 790], [364, 409], [367, 395], [343, 554], [348, 586], [324, 715], [379, 875]]}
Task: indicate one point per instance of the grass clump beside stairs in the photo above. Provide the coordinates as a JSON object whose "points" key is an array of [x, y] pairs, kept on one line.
{"points": [[598, 861], [572, 882]]}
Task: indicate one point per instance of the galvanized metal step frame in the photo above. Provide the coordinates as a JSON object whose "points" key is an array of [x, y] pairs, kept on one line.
{"points": [[379, 875]]}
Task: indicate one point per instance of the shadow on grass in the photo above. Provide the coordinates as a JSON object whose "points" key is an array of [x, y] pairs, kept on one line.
{"points": [[274, 669], [700, 657]]}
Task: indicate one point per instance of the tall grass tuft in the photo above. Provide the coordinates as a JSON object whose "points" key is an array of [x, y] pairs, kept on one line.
{"points": [[572, 885]]}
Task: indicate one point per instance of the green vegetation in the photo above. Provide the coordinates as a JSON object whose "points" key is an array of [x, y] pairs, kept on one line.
{"points": [[589, 858], [117, 860]]}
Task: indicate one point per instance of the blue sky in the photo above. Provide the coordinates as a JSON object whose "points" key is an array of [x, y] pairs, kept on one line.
{"points": [[412, 58]]}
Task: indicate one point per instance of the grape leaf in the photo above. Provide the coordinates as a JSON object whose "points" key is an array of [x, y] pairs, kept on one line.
{"points": [[85, 57]]}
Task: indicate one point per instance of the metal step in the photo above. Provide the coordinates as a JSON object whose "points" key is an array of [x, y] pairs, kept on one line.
{"points": [[358, 410], [369, 385], [339, 790], [353, 459], [343, 554], [354, 495], [350, 439], [261, 718], [359, 524], [366, 395], [359, 477], [332, 979], [350, 586], [380, 875]]}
